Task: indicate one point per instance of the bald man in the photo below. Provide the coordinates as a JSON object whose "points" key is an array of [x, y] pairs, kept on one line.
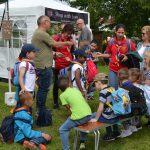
{"points": [[44, 58], [85, 32]]}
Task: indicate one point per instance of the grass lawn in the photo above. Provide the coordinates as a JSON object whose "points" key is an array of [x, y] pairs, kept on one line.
{"points": [[137, 141]]}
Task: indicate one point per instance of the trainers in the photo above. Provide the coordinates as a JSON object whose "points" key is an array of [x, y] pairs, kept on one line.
{"points": [[139, 127], [133, 128], [109, 137], [42, 147], [29, 145], [125, 133], [82, 146], [117, 134]]}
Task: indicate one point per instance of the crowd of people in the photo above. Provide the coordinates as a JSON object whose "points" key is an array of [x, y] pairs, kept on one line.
{"points": [[60, 56]]}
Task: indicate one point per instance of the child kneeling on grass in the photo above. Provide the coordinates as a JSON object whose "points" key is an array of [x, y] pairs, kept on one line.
{"points": [[23, 126], [78, 108], [104, 113]]}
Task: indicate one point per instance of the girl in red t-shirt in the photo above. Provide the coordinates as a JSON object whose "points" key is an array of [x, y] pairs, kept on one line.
{"points": [[116, 50]]}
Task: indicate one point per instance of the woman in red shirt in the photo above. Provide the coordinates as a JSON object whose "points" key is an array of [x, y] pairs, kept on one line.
{"points": [[61, 62], [116, 50]]}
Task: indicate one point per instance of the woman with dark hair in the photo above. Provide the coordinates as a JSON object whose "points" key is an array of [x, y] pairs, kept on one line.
{"points": [[116, 50], [62, 62]]}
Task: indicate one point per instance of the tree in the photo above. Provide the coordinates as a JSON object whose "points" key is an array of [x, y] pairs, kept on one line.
{"points": [[134, 14]]}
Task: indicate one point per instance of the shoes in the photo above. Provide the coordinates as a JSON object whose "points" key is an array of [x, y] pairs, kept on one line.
{"points": [[109, 137], [117, 134], [125, 133], [42, 147], [29, 145], [139, 127], [82, 146], [133, 128]]}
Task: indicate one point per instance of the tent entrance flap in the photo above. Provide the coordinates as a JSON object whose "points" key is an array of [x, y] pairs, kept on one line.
{"points": [[64, 16]]}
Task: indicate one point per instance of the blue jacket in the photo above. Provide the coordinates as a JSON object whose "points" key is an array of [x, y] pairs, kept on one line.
{"points": [[23, 129]]}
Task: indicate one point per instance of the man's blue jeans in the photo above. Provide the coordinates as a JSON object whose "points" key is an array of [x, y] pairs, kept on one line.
{"points": [[65, 128], [44, 81], [113, 79]]}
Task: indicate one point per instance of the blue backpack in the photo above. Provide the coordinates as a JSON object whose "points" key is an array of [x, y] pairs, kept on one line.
{"points": [[121, 104], [15, 73], [7, 127]]}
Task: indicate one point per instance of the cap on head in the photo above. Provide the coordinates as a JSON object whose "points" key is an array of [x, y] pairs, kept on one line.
{"points": [[80, 52], [101, 77], [29, 48]]}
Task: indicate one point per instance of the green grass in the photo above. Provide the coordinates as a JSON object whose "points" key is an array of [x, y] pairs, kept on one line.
{"points": [[137, 141]]}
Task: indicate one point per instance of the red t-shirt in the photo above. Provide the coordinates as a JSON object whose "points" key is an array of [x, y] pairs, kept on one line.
{"points": [[116, 50], [61, 63]]}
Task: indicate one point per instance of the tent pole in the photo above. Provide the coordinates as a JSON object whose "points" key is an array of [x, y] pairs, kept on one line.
{"points": [[8, 50]]}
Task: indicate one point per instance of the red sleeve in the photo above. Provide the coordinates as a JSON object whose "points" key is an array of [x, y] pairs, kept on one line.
{"points": [[108, 49], [133, 48], [55, 37]]}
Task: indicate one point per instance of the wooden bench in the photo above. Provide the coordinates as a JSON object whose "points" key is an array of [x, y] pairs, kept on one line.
{"points": [[93, 127]]}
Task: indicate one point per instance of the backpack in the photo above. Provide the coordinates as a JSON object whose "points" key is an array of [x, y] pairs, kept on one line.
{"points": [[121, 104], [15, 73], [138, 101], [66, 71], [7, 128], [91, 70], [44, 118]]}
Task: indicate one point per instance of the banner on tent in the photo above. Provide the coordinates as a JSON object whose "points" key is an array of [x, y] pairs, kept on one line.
{"points": [[65, 16]]}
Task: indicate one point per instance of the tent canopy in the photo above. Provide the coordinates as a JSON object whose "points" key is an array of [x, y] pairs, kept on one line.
{"points": [[57, 11], [45, 3]]}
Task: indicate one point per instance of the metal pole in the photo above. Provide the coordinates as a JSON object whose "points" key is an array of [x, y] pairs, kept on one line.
{"points": [[8, 51]]}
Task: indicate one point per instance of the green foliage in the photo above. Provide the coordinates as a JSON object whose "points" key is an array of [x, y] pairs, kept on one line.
{"points": [[134, 14]]}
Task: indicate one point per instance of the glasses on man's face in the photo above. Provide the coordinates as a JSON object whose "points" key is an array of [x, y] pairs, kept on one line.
{"points": [[47, 21], [78, 24]]}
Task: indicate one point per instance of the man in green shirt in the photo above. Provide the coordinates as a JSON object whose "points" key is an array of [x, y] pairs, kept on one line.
{"points": [[79, 110], [44, 58]]}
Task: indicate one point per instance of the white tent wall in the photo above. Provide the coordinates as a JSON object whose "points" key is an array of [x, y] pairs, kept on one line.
{"points": [[27, 11]]}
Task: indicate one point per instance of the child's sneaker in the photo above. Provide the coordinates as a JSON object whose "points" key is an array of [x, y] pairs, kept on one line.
{"points": [[133, 128], [139, 127], [42, 147], [30, 145], [82, 146], [125, 133], [117, 134], [109, 137]]}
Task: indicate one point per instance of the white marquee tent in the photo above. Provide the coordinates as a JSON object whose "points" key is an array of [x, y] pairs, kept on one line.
{"points": [[24, 14]]}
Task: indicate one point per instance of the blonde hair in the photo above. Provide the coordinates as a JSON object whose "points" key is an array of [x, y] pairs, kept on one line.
{"points": [[123, 74], [147, 30], [147, 55]]}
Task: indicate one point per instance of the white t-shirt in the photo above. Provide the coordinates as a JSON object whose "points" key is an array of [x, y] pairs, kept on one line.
{"points": [[29, 76], [141, 51], [73, 69]]}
